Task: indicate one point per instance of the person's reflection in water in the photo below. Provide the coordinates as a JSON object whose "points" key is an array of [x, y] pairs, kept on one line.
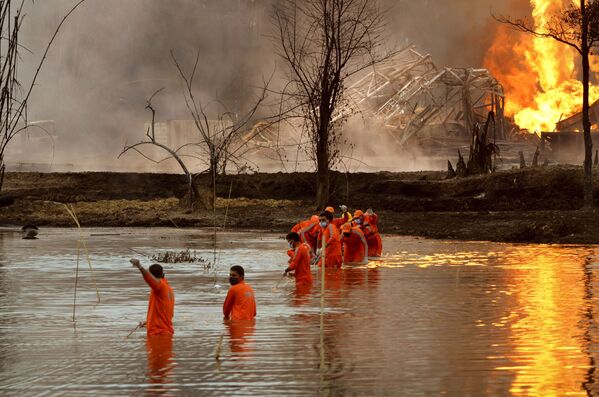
{"points": [[160, 364], [302, 294], [373, 278], [240, 335], [354, 276], [333, 280]]}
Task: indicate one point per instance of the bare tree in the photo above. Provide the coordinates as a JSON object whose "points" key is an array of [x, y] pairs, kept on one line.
{"points": [[578, 27], [218, 136], [323, 43], [14, 95], [174, 153], [218, 144]]}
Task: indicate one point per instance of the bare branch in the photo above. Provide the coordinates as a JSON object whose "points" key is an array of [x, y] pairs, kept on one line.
{"points": [[553, 29], [13, 104], [323, 42]]}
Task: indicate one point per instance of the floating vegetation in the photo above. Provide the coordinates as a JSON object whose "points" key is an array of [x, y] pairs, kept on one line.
{"points": [[186, 256]]}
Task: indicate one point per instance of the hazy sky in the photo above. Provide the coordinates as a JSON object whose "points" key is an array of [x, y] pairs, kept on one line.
{"points": [[112, 54]]}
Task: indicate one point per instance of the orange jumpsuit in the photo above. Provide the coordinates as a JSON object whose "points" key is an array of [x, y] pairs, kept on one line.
{"points": [[240, 303], [338, 222], [354, 246], [333, 246], [161, 306], [373, 238], [300, 262], [309, 233], [299, 226]]}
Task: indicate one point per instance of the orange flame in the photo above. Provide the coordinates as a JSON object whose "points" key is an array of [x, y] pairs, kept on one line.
{"points": [[539, 75]]}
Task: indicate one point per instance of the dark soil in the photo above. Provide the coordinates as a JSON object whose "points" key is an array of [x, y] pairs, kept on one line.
{"points": [[530, 205]]}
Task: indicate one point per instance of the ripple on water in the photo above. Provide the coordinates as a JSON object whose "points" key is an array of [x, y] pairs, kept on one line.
{"points": [[430, 317]]}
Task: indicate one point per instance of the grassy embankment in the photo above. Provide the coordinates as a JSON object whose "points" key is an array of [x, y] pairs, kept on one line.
{"points": [[538, 205]]}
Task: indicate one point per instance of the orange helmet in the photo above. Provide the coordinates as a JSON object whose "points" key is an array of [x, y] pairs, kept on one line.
{"points": [[358, 213], [314, 218], [345, 228], [330, 209]]}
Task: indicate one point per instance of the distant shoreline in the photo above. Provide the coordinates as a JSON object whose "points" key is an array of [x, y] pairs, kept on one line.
{"points": [[531, 205]]}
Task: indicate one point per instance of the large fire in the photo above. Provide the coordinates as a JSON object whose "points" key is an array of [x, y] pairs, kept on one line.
{"points": [[539, 75]]}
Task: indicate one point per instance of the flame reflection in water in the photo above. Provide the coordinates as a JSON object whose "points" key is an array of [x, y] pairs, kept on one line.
{"points": [[429, 318]]}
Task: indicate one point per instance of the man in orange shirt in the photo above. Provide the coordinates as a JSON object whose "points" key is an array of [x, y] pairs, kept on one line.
{"points": [[308, 231], [333, 244], [300, 261], [368, 224], [240, 303], [299, 226], [338, 222], [161, 306], [355, 248]]}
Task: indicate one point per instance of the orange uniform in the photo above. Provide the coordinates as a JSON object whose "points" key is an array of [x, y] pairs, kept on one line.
{"points": [[299, 226], [373, 238], [338, 222], [333, 246], [308, 233], [161, 306], [355, 247], [300, 263], [240, 303]]}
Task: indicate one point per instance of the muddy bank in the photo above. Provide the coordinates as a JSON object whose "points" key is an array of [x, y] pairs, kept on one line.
{"points": [[531, 205]]}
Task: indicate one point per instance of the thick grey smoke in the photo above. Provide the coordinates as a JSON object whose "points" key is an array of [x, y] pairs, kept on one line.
{"points": [[112, 54], [456, 33]]}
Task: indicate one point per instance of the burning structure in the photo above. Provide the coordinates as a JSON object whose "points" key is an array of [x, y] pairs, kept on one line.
{"points": [[566, 142], [417, 101], [542, 83]]}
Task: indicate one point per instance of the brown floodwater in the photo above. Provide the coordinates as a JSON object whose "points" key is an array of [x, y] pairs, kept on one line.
{"points": [[432, 317]]}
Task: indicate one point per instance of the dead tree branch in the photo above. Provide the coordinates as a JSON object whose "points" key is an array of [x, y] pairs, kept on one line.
{"points": [[13, 104], [323, 43]]}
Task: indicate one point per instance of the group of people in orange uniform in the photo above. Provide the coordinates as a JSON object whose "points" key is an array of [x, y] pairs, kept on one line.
{"points": [[239, 304], [334, 241], [322, 238]]}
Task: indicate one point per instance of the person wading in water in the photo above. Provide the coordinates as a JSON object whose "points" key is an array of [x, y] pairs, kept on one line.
{"points": [[240, 303], [161, 306]]}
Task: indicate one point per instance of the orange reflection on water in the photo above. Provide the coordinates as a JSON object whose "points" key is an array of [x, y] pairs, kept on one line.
{"points": [[544, 317], [240, 335], [160, 364], [547, 352], [459, 258]]}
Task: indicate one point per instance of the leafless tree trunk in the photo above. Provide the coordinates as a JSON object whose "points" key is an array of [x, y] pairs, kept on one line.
{"points": [[323, 43], [577, 27], [585, 48], [14, 95], [480, 159], [192, 194]]}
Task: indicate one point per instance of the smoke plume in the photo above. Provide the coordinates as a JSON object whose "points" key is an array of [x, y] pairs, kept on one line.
{"points": [[111, 55]]}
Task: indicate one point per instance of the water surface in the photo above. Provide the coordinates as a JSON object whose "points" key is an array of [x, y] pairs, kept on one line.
{"points": [[431, 318]]}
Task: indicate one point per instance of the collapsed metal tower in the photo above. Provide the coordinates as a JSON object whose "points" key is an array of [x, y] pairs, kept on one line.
{"points": [[415, 99]]}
